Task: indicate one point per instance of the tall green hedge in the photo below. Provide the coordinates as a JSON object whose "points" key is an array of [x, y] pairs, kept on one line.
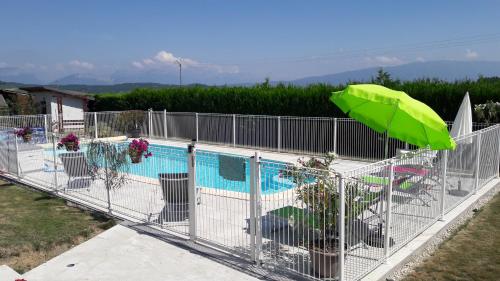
{"points": [[443, 97]]}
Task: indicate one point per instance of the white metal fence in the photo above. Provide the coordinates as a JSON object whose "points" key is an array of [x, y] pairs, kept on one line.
{"points": [[305, 135], [284, 218]]}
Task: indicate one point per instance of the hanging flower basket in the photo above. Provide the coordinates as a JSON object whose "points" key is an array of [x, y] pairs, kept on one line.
{"points": [[25, 133], [70, 142], [135, 158], [27, 137], [138, 148], [70, 146]]}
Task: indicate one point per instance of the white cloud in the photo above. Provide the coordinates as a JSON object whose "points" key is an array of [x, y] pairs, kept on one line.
{"points": [[420, 59], [137, 64], [3, 64], [81, 64], [471, 54], [163, 58], [166, 57], [383, 60], [148, 61]]}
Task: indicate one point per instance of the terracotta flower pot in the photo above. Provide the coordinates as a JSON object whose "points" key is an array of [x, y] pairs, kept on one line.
{"points": [[324, 262], [70, 146], [135, 158], [27, 137]]}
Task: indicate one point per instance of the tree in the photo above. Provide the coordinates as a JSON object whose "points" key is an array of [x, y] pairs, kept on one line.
{"points": [[383, 78]]}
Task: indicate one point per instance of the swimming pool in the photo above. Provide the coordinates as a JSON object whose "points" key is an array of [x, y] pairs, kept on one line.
{"points": [[169, 159]]}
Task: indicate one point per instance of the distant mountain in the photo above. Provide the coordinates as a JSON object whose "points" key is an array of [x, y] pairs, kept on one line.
{"points": [[6, 85], [99, 89], [115, 88], [444, 70], [18, 75], [81, 79]]}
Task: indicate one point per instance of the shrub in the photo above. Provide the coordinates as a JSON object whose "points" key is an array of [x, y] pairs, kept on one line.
{"points": [[444, 97]]}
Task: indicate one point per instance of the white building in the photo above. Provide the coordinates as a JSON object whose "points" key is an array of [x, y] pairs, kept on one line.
{"points": [[65, 107]]}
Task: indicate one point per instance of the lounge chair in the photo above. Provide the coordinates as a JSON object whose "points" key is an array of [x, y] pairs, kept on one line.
{"points": [[75, 165], [174, 188], [403, 184]]}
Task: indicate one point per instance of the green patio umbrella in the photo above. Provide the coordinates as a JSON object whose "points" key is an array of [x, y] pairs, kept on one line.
{"points": [[396, 113]]}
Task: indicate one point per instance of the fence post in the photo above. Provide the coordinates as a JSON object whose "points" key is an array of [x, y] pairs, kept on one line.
{"points": [[258, 209], [335, 135], [54, 158], [255, 209], [96, 136], [165, 124], [279, 133], [478, 159], [106, 171], [498, 151], [150, 123], [45, 128], [388, 212], [341, 228], [192, 190], [18, 170], [234, 130], [443, 184], [196, 120]]}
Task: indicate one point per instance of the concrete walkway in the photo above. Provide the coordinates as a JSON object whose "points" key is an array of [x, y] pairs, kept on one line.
{"points": [[122, 253]]}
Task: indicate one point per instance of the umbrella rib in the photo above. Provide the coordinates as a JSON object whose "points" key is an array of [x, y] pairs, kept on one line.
{"points": [[358, 106], [425, 132], [392, 117]]}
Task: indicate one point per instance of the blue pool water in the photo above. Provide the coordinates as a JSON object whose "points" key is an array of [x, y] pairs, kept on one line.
{"points": [[168, 159]]}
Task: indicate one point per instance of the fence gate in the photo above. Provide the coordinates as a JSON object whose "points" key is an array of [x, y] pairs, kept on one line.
{"points": [[220, 213]]}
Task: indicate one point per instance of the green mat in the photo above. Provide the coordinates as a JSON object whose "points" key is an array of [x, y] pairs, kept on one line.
{"points": [[385, 181], [298, 215]]}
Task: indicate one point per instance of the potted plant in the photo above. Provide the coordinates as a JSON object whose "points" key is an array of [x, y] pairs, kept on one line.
{"points": [[26, 133], [317, 189], [130, 121], [137, 148], [108, 162], [70, 142]]}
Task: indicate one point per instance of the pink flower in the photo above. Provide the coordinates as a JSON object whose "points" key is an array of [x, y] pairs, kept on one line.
{"points": [[70, 138], [139, 147]]}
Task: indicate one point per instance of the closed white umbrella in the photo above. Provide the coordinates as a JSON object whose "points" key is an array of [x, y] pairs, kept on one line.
{"points": [[460, 159], [462, 125]]}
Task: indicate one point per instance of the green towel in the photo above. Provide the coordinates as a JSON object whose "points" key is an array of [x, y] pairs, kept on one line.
{"points": [[385, 181], [232, 168]]}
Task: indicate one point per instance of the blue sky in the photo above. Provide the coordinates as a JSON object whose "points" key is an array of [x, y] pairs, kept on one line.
{"points": [[239, 41]]}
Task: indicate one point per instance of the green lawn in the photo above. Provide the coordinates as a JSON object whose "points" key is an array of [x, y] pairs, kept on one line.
{"points": [[472, 253], [35, 226]]}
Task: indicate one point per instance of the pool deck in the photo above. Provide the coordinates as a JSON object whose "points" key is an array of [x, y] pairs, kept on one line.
{"points": [[124, 254]]}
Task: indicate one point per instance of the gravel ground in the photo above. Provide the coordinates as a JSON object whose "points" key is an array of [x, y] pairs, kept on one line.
{"points": [[433, 245]]}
